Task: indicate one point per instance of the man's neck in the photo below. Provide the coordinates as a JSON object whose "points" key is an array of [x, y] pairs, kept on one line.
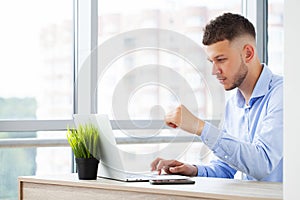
{"points": [[250, 81]]}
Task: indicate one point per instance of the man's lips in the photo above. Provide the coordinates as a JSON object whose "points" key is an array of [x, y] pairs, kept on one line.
{"points": [[221, 79]]}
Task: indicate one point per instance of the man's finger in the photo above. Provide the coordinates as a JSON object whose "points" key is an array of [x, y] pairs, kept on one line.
{"points": [[154, 164], [167, 163], [177, 170]]}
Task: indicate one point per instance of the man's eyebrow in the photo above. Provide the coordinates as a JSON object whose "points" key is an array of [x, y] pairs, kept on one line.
{"points": [[216, 57]]}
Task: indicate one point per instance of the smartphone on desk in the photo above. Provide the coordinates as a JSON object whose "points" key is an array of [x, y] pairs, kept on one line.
{"points": [[172, 181]]}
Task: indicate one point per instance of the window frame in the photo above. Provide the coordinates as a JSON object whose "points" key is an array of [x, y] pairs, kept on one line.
{"points": [[85, 33]]}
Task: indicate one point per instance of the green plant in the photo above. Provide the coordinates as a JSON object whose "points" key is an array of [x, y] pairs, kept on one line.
{"points": [[84, 141]]}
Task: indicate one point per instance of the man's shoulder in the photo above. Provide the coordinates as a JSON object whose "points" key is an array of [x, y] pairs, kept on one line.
{"points": [[276, 83], [273, 80], [275, 94]]}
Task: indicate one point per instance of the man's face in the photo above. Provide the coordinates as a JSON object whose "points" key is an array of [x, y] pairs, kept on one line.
{"points": [[228, 65]]}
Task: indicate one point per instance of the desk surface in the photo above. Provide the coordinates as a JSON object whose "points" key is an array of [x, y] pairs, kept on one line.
{"points": [[215, 188]]}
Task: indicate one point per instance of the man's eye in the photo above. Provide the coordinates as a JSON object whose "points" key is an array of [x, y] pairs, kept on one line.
{"points": [[221, 59]]}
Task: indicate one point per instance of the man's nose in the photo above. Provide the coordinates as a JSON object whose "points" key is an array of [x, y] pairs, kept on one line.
{"points": [[215, 69]]}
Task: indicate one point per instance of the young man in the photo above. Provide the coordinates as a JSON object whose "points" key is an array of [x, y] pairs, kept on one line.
{"points": [[251, 137]]}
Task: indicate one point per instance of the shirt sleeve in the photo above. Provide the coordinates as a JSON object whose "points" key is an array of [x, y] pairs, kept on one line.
{"points": [[216, 168], [258, 158]]}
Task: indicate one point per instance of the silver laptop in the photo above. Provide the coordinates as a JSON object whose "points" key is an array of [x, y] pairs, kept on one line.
{"points": [[111, 164]]}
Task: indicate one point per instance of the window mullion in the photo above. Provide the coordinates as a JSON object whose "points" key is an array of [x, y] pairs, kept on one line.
{"points": [[87, 36], [257, 12]]}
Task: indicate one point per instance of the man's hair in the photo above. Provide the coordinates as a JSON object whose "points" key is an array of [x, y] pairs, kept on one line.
{"points": [[227, 27]]}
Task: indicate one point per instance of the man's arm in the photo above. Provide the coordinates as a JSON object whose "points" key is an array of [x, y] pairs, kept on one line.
{"points": [[216, 168], [260, 157]]}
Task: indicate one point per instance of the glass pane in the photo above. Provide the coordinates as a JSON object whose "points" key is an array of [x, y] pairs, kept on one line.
{"points": [[36, 59], [151, 60], [36, 82], [28, 161], [276, 35], [145, 83]]}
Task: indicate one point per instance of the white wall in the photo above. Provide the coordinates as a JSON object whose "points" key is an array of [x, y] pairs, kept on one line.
{"points": [[292, 100]]}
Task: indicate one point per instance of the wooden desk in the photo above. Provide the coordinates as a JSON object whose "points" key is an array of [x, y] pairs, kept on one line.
{"points": [[69, 187]]}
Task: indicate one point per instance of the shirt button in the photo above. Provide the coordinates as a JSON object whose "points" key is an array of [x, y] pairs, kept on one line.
{"points": [[226, 157]]}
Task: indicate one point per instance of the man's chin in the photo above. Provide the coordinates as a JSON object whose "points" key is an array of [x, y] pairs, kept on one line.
{"points": [[228, 87]]}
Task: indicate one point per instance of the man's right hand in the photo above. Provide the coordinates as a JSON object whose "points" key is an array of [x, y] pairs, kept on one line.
{"points": [[173, 167], [182, 118]]}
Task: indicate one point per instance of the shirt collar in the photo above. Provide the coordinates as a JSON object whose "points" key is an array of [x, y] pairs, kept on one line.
{"points": [[261, 88]]}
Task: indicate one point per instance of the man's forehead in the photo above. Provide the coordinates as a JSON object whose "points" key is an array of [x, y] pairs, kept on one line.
{"points": [[217, 49]]}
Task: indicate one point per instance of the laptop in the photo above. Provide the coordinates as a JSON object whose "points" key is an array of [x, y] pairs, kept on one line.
{"points": [[111, 164]]}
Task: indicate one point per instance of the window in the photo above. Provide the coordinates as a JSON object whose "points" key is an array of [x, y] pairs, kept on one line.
{"points": [[187, 19], [36, 51], [36, 83], [144, 79], [275, 35]]}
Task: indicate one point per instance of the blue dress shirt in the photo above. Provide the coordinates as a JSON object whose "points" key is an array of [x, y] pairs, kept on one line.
{"points": [[251, 137]]}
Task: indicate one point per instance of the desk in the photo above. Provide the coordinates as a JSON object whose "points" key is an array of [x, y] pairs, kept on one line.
{"points": [[69, 187]]}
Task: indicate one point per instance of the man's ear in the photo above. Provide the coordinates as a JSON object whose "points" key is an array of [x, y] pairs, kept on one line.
{"points": [[248, 53]]}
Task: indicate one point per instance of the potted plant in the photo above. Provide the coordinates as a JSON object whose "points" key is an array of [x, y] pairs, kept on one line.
{"points": [[85, 144]]}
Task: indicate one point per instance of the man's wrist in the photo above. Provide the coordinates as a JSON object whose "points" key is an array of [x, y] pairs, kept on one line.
{"points": [[200, 127], [195, 171]]}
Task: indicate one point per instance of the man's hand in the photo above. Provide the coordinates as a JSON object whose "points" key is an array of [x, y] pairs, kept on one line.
{"points": [[181, 117], [173, 167]]}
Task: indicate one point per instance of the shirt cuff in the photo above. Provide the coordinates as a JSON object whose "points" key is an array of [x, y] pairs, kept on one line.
{"points": [[201, 171], [210, 135]]}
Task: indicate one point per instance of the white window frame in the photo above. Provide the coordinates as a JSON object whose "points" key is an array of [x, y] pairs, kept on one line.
{"points": [[85, 40]]}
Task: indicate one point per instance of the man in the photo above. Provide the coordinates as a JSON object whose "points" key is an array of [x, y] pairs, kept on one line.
{"points": [[250, 139]]}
